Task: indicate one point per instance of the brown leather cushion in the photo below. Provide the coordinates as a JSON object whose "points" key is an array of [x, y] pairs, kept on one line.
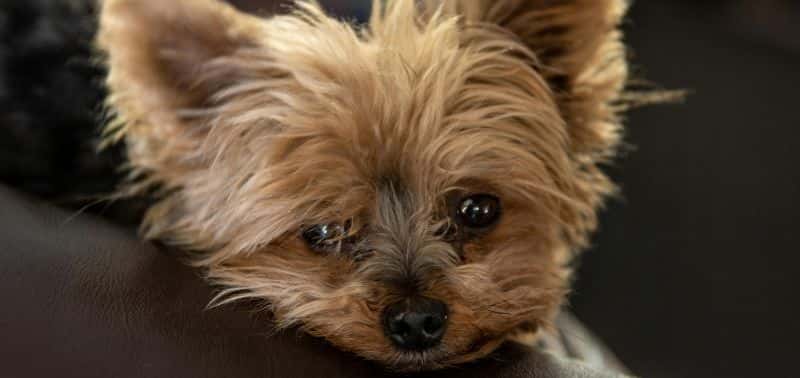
{"points": [[82, 298]]}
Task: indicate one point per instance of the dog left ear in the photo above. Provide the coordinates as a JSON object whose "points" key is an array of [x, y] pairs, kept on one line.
{"points": [[161, 57], [579, 52]]}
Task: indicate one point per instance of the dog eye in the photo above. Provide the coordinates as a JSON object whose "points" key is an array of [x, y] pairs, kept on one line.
{"points": [[478, 211], [324, 237]]}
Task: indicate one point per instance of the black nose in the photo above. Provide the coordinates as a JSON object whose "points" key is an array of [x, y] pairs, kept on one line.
{"points": [[415, 323]]}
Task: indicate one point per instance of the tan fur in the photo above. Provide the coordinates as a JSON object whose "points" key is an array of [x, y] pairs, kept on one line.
{"points": [[252, 128]]}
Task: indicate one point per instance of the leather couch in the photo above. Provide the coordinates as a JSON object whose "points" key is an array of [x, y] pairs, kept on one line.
{"points": [[81, 297]]}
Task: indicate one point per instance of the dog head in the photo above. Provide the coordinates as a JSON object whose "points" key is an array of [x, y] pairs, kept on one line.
{"points": [[411, 190]]}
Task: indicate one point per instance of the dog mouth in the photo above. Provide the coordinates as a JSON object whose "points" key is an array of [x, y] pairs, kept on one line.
{"points": [[442, 358], [484, 345]]}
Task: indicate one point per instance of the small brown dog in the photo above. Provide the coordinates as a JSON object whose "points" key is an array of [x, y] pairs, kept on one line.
{"points": [[411, 190]]}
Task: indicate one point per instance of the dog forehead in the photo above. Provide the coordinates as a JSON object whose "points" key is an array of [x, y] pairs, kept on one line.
{"points": [[419, 107]]}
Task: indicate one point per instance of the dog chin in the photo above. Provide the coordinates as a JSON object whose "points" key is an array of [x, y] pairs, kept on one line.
{"points": [[440, 358]]}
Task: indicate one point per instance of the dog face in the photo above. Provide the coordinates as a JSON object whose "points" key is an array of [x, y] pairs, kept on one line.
{"points": [[411, 191]]}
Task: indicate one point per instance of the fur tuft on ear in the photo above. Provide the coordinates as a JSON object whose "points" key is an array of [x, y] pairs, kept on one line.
{"points": [[165, 67]]}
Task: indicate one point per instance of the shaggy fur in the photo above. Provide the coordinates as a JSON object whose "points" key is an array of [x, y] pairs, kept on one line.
{"points": [[254, 128]]}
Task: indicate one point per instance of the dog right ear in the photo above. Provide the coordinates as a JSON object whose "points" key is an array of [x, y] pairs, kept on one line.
{"points": [[580, 54], [168, 63]]}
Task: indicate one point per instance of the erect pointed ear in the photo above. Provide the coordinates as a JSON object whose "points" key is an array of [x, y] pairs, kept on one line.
{"points": [[579, 51], [160, 56]]}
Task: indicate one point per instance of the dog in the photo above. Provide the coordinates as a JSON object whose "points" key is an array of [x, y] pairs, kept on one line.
{"points": [[413, 189]]}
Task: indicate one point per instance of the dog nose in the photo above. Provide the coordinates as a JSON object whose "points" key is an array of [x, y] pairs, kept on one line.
{"points": [[415, 323]]}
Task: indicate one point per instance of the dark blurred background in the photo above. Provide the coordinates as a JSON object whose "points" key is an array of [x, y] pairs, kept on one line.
{"points": [[694, 273], [694, 269]]}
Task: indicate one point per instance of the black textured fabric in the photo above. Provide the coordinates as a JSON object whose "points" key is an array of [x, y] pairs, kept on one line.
{"points": [[50, 98]]}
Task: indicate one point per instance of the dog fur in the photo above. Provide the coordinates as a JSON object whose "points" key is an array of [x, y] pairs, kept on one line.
{"points": [[253, 128]]}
